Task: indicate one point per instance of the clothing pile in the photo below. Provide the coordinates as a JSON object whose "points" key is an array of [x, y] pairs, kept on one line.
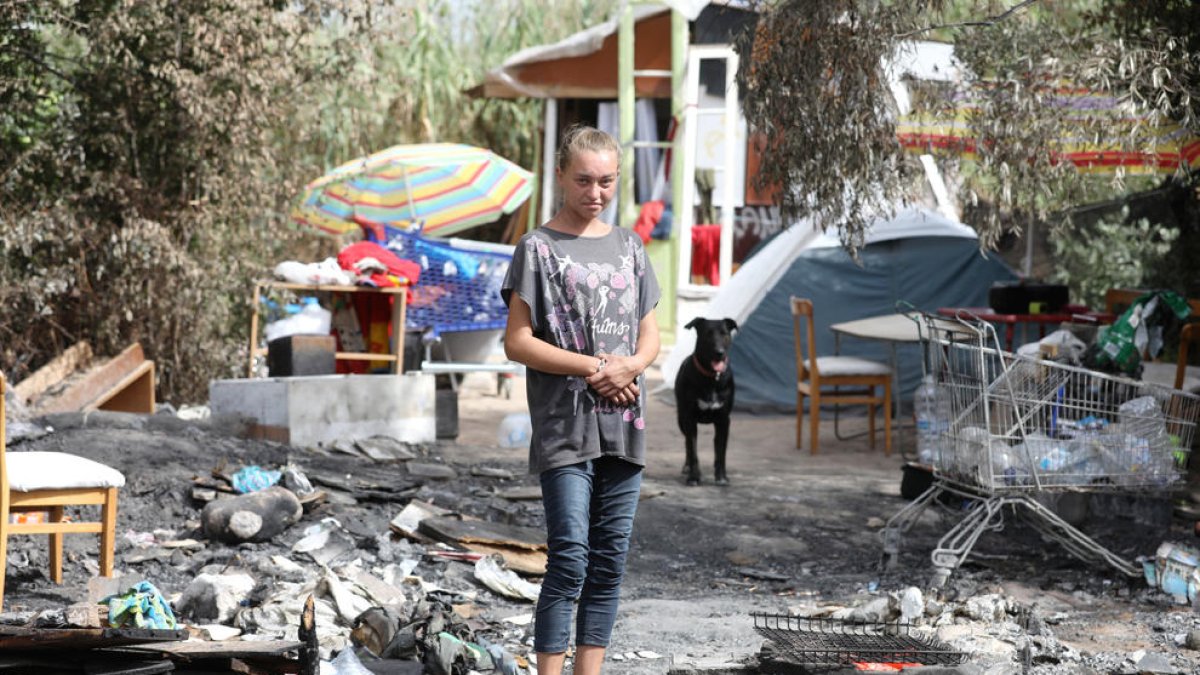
{"points": [[363, 263]]}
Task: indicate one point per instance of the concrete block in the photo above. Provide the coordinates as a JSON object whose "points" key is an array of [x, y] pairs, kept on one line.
{"points": [[322, 409], [215, 597]]}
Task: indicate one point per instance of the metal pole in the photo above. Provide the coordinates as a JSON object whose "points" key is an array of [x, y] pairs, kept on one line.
{"points": [[549, 151], [725, 257], [626, 96], [412, 209], [679, 47]]}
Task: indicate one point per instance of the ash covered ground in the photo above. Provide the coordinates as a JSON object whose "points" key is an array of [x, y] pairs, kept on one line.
{"points": [[793, 534]]}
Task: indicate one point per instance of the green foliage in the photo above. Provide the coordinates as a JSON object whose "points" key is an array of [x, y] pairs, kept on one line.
{"points": [[1110, 253], [1023, 67], [150, 152], [813, 84]]}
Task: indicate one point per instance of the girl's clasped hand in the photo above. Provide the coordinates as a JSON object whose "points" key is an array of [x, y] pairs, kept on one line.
{"points": [[616, 378]]}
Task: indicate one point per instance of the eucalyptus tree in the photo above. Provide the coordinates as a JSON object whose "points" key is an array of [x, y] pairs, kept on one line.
{"points": [[815, 88]]}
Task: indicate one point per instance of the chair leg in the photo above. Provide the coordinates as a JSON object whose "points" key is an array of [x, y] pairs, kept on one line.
{"points": [[871, 422], [799, 420], [108, 532], [887, 417], [56, 545], [4, 515], [814, 411]]}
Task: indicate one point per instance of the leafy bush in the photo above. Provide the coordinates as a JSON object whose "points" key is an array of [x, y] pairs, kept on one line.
{"points": [[150, 152], [1110, 253]]}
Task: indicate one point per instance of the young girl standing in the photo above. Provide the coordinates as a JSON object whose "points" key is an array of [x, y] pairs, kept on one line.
{"points": [[581, 300]]}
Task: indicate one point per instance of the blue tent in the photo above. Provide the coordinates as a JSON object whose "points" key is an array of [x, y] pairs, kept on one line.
{"points": [[918, 257]]}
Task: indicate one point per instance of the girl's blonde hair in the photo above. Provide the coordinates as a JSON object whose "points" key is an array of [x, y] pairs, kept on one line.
{"points": [[580, 138]]}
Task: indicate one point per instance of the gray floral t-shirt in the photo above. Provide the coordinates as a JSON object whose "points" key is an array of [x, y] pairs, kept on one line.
{"points": [[586, 295]]}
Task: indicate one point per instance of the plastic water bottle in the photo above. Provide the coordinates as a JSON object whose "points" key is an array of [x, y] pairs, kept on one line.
{"points": [[515, 431], [927, 405]]}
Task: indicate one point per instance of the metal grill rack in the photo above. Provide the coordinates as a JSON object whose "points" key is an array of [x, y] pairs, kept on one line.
{"points": [[814, 644]]}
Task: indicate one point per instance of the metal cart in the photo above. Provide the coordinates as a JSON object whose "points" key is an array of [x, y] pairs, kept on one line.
{"points": [[1014, 426], [818, 644]]}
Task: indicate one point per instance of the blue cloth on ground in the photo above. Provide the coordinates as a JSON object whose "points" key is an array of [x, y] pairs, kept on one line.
{"points": [[254, 478], [142, 606]]}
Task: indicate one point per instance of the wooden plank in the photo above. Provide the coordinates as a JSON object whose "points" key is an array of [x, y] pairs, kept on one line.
{"points": [[54, 372], [336, 289], [98, 663], [51, 528], [254, 328], [451, 529], [220, 649], [95, 383], [20, 637], [408, 521], [134, 393], [354, 356], [39, 499], [310, 651], [521, 493], [399, 312], [523, 561]]}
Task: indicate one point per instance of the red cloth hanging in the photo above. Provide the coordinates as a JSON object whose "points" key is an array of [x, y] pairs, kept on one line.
{"points": [[706, 252], [648, 217]]}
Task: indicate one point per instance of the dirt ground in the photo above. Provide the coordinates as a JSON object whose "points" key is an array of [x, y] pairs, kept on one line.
{"points": [[814, 521], [793, 533]]}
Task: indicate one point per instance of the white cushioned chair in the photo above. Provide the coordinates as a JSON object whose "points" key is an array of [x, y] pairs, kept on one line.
{"points": [[855, 378], [48, 482]]}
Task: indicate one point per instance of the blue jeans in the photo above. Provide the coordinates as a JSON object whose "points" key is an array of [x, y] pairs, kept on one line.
{"points": [[589, 519]]}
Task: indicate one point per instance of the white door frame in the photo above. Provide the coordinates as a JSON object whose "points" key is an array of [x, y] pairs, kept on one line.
{"points": [[685, 212]]}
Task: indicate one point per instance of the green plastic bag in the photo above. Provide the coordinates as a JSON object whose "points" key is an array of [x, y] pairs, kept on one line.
{"points": [[1118, 348]]}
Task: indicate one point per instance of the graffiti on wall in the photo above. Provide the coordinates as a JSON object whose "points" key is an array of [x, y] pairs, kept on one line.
{"points": [[752, 225]]}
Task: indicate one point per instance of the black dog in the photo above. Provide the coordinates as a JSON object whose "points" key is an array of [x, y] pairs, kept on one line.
{"points": [[704, 393]]}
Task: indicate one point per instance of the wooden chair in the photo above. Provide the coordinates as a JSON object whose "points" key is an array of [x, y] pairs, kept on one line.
{"points": [[32, 482], [1117, 300], [814, 373], [1185, 374]]}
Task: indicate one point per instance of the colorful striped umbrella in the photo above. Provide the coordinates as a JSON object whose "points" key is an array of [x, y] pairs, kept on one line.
{"points": [[444, 187], [1108, 139]]}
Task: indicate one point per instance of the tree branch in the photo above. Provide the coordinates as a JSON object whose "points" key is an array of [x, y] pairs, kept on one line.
{"points": [[990, 21]]}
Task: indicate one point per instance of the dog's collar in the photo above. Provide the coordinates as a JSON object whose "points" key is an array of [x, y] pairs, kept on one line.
{"points": [[705, 371]]}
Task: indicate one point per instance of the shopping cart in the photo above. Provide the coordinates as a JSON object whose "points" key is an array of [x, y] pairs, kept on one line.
{"points": [[1015, 426]]}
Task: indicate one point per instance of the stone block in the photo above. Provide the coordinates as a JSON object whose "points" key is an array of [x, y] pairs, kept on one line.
{"points": [[317, 410]]}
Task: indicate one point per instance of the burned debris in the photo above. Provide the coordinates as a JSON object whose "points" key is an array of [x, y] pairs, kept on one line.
{"points": [[432, 569], [385, 542]]}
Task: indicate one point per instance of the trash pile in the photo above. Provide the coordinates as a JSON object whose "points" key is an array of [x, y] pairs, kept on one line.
{"points": [[404, 559], [999, 631], [413, 562]]}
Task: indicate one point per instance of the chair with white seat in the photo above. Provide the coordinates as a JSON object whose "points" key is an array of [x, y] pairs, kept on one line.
{"points": [[48, 482], [814, 373]]}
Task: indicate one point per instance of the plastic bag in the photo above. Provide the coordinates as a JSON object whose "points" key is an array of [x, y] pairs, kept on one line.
{"points": [[312, 319], [1121, 346]]}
